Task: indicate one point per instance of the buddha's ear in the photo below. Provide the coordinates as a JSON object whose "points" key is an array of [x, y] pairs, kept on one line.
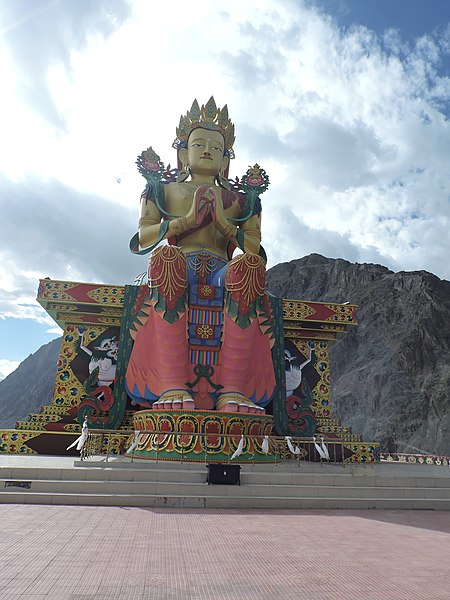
{"points": [[225, 163], [183, 155]]}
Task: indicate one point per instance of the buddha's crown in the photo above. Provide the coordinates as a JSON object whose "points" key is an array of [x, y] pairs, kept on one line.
{"points": [[206, 117]]}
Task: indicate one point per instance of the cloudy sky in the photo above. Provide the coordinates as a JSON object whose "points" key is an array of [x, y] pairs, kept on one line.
{"points": [[345, 103]]}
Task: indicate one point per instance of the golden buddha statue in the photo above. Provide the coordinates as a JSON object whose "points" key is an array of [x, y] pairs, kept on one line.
{"points": [[202, 333]]}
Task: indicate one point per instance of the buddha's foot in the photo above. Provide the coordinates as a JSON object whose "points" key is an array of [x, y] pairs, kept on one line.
{"points": [[235, 402], [174, 400]]}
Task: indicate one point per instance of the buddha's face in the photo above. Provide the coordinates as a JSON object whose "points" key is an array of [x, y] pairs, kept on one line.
{"points": [[205, 152]]}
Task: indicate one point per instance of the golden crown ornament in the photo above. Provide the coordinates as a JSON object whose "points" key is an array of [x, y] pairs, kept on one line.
{"points": [[206, 117]]}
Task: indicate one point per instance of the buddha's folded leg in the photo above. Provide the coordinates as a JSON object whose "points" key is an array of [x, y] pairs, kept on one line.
{"points": [[159, 357], [159, 360], [246, 363], [246, 367]]}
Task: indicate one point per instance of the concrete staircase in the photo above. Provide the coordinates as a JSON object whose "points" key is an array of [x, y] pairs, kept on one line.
{"points": [[120, 482]]}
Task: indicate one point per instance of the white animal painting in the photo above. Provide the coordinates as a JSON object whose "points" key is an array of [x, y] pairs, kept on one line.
{"points": [[103, 357], [294, 370]]}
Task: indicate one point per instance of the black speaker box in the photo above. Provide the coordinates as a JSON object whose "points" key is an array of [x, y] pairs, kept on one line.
{"points": [[224, 474]]}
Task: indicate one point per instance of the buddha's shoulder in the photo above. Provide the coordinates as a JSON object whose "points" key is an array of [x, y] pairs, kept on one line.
{"points": [[172, 190], [230, 197]]}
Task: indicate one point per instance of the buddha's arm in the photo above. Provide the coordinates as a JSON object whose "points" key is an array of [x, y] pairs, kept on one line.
{"points": [[152, 231], [247, 236], [252, 234]]}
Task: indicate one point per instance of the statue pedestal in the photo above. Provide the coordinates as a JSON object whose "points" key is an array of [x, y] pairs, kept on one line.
{"points": [[202, 436]]}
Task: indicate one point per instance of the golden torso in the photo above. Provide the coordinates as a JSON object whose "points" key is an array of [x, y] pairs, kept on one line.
{"points": [[200, 220], [178, 201]]}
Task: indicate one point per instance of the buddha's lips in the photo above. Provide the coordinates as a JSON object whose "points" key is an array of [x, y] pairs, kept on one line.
{"points": [[207, 157]]}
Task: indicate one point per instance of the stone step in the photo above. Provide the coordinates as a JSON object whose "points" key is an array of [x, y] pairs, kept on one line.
{"points": [[190, 473], [173, 489], [221, 501], [290, 484], [125, 475]]}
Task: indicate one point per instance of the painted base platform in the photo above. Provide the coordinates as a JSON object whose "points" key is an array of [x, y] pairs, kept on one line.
{"points": [[207, 436]]}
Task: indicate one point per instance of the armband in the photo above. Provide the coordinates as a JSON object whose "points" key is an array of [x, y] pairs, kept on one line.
{"points": [[240, 238], [134, 242]]}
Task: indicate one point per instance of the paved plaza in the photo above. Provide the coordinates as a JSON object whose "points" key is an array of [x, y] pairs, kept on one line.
{"points": [[81, 553]]}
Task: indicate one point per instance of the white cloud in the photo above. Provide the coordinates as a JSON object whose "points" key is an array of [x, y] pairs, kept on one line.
{"points": [[55, 330], [7, 367], [353, 129], [40, 35]]}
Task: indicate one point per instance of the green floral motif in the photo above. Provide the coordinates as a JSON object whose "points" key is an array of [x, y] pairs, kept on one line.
{"points": [[171, 315]]}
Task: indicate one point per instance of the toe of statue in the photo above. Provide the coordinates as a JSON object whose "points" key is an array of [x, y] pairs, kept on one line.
{"points": [[235, 402], [175, 400]]}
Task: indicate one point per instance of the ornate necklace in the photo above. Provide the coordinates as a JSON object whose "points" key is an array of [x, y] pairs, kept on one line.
{"points": [[188, 188]]}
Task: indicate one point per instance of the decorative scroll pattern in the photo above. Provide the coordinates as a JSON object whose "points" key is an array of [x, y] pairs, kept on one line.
{"points": [[309, 335], [13, 442], [107, 295], [415, 459], [298, 310], [167, 272], [203, 264], [360, 453], [214, 443], [245, 279], [294, 309], [64, 317], [66, 291], [342, 313], [55, 290]]}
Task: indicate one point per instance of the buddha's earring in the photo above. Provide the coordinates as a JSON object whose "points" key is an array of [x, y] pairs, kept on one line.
{"points": [[223, 181], [183, 173]]}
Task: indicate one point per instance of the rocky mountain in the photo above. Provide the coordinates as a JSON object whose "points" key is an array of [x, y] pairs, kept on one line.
{"points": [[391, 375], [30, 386]]}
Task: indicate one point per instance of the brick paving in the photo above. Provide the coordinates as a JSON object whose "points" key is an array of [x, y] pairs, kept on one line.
{"points": [[80, 553]]}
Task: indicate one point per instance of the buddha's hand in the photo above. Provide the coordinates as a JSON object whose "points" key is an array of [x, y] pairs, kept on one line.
{"points": [[199, 208], [218, 215], [203, 204]]}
